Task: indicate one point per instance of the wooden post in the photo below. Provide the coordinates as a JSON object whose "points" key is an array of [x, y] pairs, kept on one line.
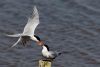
{"points": [[43, 63]]}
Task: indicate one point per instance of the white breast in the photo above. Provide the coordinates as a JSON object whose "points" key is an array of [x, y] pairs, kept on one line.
{"points": [[45, 52], [48, 54]]}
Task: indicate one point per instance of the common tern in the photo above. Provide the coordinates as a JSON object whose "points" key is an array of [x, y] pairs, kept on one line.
{"points": [[28, 32], [49, 54]]}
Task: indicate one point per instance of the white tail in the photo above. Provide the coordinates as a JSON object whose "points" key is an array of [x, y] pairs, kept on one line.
{"points": [[14, 35], [16, 42]]}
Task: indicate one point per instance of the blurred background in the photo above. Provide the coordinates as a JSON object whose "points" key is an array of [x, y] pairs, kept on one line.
{"points": [[72, 26]]}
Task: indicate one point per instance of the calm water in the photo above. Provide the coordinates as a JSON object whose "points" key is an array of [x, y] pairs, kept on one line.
{"points": [[72, 26]]}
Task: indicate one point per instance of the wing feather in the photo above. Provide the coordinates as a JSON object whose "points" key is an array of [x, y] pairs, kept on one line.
{"points": [[32, 23]]}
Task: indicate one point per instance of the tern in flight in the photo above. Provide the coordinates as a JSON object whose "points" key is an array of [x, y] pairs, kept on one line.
{"points": [[28, 32]]}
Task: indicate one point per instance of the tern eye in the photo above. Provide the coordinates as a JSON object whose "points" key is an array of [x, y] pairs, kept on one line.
{"points": [[37, 37]]}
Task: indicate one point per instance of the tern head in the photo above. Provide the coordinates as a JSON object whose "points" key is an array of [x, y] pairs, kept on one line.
{"points": [[38, 40], [46, 47]]}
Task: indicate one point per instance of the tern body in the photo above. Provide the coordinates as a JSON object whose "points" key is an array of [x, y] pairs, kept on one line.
{"points": [[28, 32], [49, 54]]}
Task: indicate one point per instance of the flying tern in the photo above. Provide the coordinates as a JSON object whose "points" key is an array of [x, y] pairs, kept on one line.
{"points": [[28, 32]]}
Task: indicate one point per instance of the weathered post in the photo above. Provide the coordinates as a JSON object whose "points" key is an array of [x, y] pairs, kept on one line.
{"points": [[44, 63]]}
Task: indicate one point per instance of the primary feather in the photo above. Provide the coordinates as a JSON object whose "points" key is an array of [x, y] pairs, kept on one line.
{"points": [[32, 23]]}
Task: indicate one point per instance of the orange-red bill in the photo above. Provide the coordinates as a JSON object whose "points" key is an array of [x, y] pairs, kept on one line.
{"points": [[40, 43]]}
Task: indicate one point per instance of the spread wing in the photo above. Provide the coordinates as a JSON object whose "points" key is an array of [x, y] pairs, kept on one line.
{"points": [[32, 23]]}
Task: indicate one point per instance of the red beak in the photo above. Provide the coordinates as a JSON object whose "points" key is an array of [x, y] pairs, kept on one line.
{"points": [[40, 43]]}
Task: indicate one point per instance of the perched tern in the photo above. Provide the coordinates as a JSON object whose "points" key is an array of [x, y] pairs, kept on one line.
{"points": [[49, 54], [28, 33]]}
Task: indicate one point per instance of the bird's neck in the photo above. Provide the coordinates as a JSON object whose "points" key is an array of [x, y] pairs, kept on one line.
{"points": [[44, 49]]}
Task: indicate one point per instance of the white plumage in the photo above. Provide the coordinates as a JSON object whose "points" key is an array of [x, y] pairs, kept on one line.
{"points": [[32, 23], [49, 54]]}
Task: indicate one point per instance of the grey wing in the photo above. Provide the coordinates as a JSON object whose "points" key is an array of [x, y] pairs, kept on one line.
{"points": [[53, 54], [16, 42], [32, 23], [14, 35]]}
